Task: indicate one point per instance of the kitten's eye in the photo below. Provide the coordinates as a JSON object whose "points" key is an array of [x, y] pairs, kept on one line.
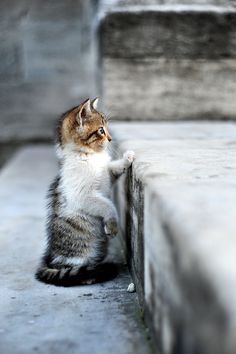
{"points": [[101, 131]]}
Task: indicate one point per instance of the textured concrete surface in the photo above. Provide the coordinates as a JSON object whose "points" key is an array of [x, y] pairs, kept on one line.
{"points": [[160, 89], [168, 62], [172, 33], [38, 318], [48, 52], [183, 186]]}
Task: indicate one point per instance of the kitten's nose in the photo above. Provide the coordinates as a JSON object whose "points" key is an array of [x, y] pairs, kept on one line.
{"points": [[109, 138]]}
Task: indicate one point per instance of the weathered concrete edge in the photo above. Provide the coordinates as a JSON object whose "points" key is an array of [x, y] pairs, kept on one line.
{"points": [[173, 7], [183, 306], [170, 322]]}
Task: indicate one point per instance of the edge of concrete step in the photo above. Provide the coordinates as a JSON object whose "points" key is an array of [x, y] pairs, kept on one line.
{"points": [[177, 211]]}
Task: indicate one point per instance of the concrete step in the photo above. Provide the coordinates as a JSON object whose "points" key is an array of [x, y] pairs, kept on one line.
{"points": [[38, 318], [177, 60], [178, 213]]}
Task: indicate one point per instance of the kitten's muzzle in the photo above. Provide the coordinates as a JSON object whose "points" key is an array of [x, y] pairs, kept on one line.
{"points": [[109, 138]]}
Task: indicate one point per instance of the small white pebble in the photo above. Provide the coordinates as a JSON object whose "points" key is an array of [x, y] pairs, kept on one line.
{"points": [[131, 288], [31, 322]]}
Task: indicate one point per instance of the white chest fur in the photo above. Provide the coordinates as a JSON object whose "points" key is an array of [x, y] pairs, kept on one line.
{"points": [[81, 176]]}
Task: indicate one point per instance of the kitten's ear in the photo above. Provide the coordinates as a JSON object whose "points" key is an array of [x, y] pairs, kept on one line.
{"points": [[84, 112], [94, 103]]}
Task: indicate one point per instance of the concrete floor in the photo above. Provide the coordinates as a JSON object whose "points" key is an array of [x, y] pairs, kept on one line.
{"points": [[38, 318]]}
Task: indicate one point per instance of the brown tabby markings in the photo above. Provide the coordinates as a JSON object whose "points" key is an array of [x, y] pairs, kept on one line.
{"points": [[87, 137]]}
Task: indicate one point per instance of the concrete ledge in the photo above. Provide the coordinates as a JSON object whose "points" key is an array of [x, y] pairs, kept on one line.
{"points": [[181, 214]]}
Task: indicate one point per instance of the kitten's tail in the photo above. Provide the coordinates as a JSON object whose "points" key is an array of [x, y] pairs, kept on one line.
{"points": [[72, 276]]}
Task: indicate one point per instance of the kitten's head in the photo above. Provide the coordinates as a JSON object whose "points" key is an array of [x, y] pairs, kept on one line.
{"points": [[84, 128]]}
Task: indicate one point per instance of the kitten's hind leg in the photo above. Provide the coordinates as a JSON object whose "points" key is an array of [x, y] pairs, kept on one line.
{"points": [[98, 205]]}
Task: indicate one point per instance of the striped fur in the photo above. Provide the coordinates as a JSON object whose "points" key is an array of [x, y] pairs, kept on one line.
{"points": [[73, 276]]}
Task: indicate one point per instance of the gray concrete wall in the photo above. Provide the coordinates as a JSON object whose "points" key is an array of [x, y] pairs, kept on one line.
{"points": [[48, 63], [169, 62]]}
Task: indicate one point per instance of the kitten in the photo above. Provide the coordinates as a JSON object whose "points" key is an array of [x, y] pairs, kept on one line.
{"points": [[82, 216]]}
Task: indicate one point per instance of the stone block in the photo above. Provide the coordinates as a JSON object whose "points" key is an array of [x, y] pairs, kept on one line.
{"points": [[177, 61], [172, 34], [190, 280], [160, 89], [187, 177]]}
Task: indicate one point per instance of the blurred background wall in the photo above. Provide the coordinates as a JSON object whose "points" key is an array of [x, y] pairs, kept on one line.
{"points": [[48, 64]]}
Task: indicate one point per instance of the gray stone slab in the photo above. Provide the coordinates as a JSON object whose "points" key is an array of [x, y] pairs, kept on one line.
{"points": [[40, 318], [207, 161], [195, 233], [169, 32], [184, 184], [204, 130], [161, 89]]}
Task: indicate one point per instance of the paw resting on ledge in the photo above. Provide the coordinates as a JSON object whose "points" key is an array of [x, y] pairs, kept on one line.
{"points": [[129, 157]]}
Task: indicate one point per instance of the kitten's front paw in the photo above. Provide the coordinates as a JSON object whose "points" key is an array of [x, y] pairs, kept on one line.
{"points": [[111, 227], [129, 157]]}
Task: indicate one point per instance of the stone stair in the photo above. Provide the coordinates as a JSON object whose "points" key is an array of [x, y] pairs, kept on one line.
{"points": [[177, 209], [161, 60], [175, 61], [168, 60]]}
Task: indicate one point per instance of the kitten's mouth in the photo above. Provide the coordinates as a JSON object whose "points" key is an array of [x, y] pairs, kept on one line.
{"points": [[101, 147], [104, 144]]}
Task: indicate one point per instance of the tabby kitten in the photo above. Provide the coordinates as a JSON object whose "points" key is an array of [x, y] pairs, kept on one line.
{"points": [[82, 216]]}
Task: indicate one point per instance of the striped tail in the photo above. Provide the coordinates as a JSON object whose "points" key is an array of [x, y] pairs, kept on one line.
{"points": [[72, 276]]}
